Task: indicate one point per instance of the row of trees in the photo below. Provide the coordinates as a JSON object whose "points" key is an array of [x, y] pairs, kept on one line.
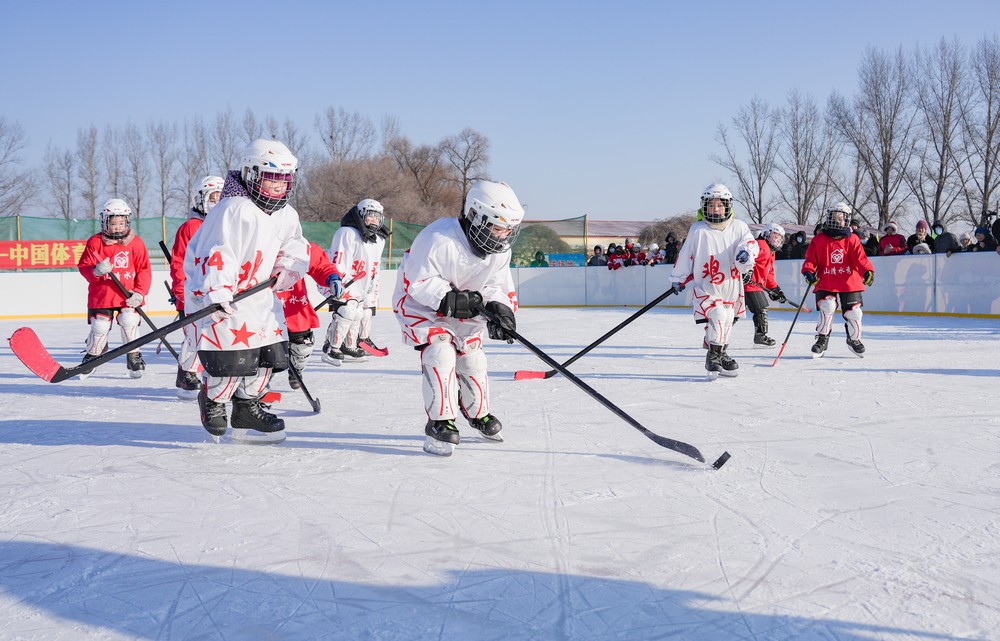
{"points": [[154, 167], [921, 135]]}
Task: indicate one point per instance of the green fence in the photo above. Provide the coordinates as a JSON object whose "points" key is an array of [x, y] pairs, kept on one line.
{"points": [[549, 237]]}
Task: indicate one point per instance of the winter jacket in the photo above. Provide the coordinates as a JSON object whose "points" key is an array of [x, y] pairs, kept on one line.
{"points": [[893, 244]]}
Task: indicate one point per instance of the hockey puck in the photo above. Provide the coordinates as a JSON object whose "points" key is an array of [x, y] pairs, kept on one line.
{"points": [[721, 460]]}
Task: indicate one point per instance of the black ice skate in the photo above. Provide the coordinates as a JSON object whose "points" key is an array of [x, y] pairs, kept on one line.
{"points": [[213, 415], [188, 384], [135, 364], [729, 366], [352, 353], [760, 336], [84, 373], [763, 340], [442, 437], [332, 355], [293, 380], [252, 423], [489, 426], [819, 348]]}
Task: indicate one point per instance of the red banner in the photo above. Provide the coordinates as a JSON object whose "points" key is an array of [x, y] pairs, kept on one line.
{"points": [[40, 254]]}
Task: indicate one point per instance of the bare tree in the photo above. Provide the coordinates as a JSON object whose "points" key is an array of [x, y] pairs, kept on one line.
{"points": [[756, 125], [878, 123], [468, 155], [252, 128], [136, 153], [163, 150], [195, 164], [346, 136], [88, 169], [422, 164], [113, 158], [226, 140], [60, 169], [805, 151], [941, 95], [981, 130], [16, 185]]}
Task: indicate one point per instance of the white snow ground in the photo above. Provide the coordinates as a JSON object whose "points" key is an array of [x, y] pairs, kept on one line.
{"points": [[861, 502]]}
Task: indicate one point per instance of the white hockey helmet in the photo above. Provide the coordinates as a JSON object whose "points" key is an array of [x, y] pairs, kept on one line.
{"points": [[202, 191], [768, 234], [272, 161], [371, 214], [838, 220], [116, 219], [492, 217], [653, 248], [717, 191]]}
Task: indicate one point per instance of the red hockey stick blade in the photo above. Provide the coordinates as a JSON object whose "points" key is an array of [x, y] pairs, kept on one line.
{"points": [[527, 375], [779, 354], [381, 351], [29, 349], [271, 397]]}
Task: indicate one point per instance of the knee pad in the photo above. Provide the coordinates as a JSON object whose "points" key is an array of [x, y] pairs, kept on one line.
{"points": [[299, 353], [473, 383], [720, 322], [128, 320], [345, 320], [853, 318], [188, 360], [365, 328], [437, 363], [826, 306], [100, 325]]}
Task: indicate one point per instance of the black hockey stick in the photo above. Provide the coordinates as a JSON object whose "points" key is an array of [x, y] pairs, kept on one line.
{"points": [[126, 293], [314, 402], [523, 375], [166, 253], [331, 298], [669, 443], [29, 349], [789, 334], [780, 300]]}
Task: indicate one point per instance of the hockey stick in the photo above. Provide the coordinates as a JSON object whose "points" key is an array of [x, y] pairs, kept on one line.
{"points": [[314, 402], [29, 349], [788, 335], [523, 375], [753, 282], [669, 443], [331, 298], [166, 253], [126, 293]]}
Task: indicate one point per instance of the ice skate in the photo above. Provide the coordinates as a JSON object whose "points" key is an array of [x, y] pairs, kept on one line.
{"points": [[293, 380], [213, 415], [135, 364], [353, 354], [763, 340], [729, 366], [442, 437], [188, 385], [87, 372], [332, 355], [252, 423], [819, 348], [713, 362], [857, 348], [489, 426], [373, 349]]}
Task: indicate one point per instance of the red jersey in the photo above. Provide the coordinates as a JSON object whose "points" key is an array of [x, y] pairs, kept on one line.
{"points": [[839, 263], [129, 262], [763, 268], [181, 240], [299, 314]]}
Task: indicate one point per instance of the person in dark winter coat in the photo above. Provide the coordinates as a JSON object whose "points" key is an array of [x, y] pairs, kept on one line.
{"points": [[670, 248], [869, 242], [598, 259], [921, 235], [945, 242], [984, 241]]}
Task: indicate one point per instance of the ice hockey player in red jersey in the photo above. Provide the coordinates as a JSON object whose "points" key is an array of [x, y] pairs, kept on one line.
{"points": [[300, 316], [453, 267], [717, 251], [116, 249], [252, 234], [836, 266], [762, 284], [205, 194]]}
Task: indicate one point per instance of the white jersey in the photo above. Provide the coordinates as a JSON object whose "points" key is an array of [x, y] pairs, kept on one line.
{"points": [[441, 259], [237, 247], [351, 256], [708, 256]]}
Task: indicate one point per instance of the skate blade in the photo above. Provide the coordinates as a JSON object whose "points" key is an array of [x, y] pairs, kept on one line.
{"points": [[728, 374], [711, 375], [253, 437], [187, 394], [496, 438], [135, 373], [438, 448], [820, 355], [332, 361]]}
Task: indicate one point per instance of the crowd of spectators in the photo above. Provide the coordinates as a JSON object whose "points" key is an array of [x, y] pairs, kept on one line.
{"points": [[631, 254]]}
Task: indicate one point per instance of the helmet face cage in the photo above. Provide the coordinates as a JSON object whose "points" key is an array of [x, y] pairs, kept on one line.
{"points": [[774, 234], [489, 237], [837, 222], [116, 220], [269, 198], [714, 217], [371, 215], [202, 195]]}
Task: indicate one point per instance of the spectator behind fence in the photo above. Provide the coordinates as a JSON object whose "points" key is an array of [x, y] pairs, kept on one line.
{"points": [[893, 243], [539, 260], [984, 241], [965, 241], [670, 247], [795, 247], [944, 241], [616, 261], [921, 236], [869, 242], [598, 259]]}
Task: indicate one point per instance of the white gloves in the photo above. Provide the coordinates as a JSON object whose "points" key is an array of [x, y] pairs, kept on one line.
{"points": [[225, 312], [286, 279], [134, 300], [102, 268]]}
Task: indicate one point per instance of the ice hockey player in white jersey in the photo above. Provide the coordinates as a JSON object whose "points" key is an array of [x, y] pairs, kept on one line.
{"points": [[718, 250], [252, 234], [356, 254], [453, 267]]}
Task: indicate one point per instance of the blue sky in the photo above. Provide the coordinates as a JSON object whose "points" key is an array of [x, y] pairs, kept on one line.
{"points": [[599, 108]]}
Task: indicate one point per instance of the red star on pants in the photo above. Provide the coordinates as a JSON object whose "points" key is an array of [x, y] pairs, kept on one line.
{"points": [[241, 335]]}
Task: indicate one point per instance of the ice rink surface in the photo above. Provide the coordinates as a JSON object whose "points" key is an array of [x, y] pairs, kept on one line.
{"points": [[862, 500]]}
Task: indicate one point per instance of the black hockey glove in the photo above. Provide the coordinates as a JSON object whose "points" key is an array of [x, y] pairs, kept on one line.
{"points": [[810, 277], [460, 304], [747, 277], [777, 295], [869, 278], [505, 321]]}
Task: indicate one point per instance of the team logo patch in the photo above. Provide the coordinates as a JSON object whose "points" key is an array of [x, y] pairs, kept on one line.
{"points": [[121, 260], [837, 256]]}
